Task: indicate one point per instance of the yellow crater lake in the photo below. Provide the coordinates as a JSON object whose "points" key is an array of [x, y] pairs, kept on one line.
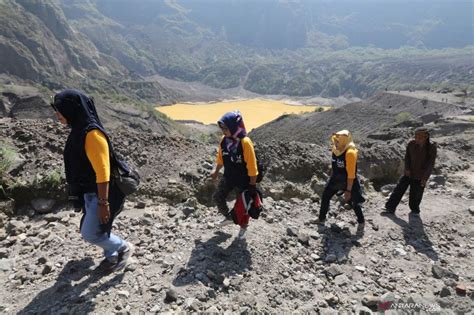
{"points": [[255, 112]]}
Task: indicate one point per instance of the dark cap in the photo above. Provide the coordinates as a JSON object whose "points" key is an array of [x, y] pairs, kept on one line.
{"points": [[422, 130]]}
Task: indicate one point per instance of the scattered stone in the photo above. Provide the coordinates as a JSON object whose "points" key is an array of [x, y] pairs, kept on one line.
{"points": [[42, 205], [52, 217], [360, 268], [123, 294], [341, 280], [171, 296], [48, 267], [140, 205], [331, 299], [333, 271], [330, 258], [6, 264], [461, 289], [370, 300], [363, 310], [292, 231], [3, 253], [399, 251], [440, 273], [16, 227], [303, 238], [445, 291]]}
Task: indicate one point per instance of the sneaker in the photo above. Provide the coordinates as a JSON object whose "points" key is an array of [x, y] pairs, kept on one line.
{"points": [[226, 221], [123, 255], [241, 235], [319, 221], [388, 211], [107, 265]]}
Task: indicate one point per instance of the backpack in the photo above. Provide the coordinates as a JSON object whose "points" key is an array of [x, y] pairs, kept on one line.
{"points": [[126, 178]]}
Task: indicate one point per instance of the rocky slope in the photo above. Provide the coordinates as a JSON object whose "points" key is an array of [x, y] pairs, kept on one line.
{"points": [[184, 262], [362, 118]]}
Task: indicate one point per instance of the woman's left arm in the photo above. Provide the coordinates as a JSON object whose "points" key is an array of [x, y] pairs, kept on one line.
{"points": [[97, 151], [351, 159]]}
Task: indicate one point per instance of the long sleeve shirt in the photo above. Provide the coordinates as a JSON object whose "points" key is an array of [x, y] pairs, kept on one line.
{"points": [[249, 156], [97, 151], [420, 160], [351, 159]]}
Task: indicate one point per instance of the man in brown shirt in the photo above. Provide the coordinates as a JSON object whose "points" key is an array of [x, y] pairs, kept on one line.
{"points": [[419, 162]]}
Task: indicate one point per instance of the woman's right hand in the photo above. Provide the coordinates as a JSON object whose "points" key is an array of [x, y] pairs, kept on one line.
{"points": [[214, 174]]}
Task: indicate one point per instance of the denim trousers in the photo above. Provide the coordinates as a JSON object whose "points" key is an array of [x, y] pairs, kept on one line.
{"points": [[93, 232]]}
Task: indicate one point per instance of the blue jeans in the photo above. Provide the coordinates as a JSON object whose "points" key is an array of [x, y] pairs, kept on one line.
{"points": [[93, 232]]}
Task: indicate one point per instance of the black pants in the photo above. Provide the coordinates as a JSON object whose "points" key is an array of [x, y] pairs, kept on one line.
{"points": [[356, 200], [416, 194], [224, 188]]}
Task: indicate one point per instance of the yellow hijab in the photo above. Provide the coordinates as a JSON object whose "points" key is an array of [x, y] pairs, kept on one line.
{"points": [[344, 137]]}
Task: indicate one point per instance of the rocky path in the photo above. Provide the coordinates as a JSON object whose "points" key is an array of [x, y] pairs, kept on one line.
{"points": [[184, 262]]}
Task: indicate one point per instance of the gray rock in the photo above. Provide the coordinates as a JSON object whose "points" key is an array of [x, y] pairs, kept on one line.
{"points": [[363, 310], [471, 210], [370, 300], [333, 271], [440, 273], [52, 217], [48, 267], [3, 253], [438, 179], [7, 207], [187, 211], [171, 296], [303, 238], [140, 205], [291, 231], [42, 205], [16, 227], [123, 294], [330, 258], [445, 291], [6, 264], [341, 280]]}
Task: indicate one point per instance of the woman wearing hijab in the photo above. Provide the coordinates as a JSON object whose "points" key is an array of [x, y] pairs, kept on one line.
{"points": [[87, 160], [237, 155], [343, 176]]}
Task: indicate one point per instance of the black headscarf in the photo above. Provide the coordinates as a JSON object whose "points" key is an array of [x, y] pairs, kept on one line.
{"points": [[81, 115]]}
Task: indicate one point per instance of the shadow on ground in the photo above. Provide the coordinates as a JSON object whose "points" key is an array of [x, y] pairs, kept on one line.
{"points": [[69, 294]]}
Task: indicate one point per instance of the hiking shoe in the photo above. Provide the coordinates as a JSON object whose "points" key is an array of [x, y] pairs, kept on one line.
{"points": [[241, 235], [319, 221], [226, 221], [388, 211], [415, 214], [107, 265], [123, 255]]}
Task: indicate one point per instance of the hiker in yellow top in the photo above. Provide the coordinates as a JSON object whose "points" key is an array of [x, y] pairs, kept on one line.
{"points": [[87, 161], [236, 155], [343, 176]]}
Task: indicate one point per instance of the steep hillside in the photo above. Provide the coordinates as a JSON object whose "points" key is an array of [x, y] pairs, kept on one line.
{"points": [[361, 118]]}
